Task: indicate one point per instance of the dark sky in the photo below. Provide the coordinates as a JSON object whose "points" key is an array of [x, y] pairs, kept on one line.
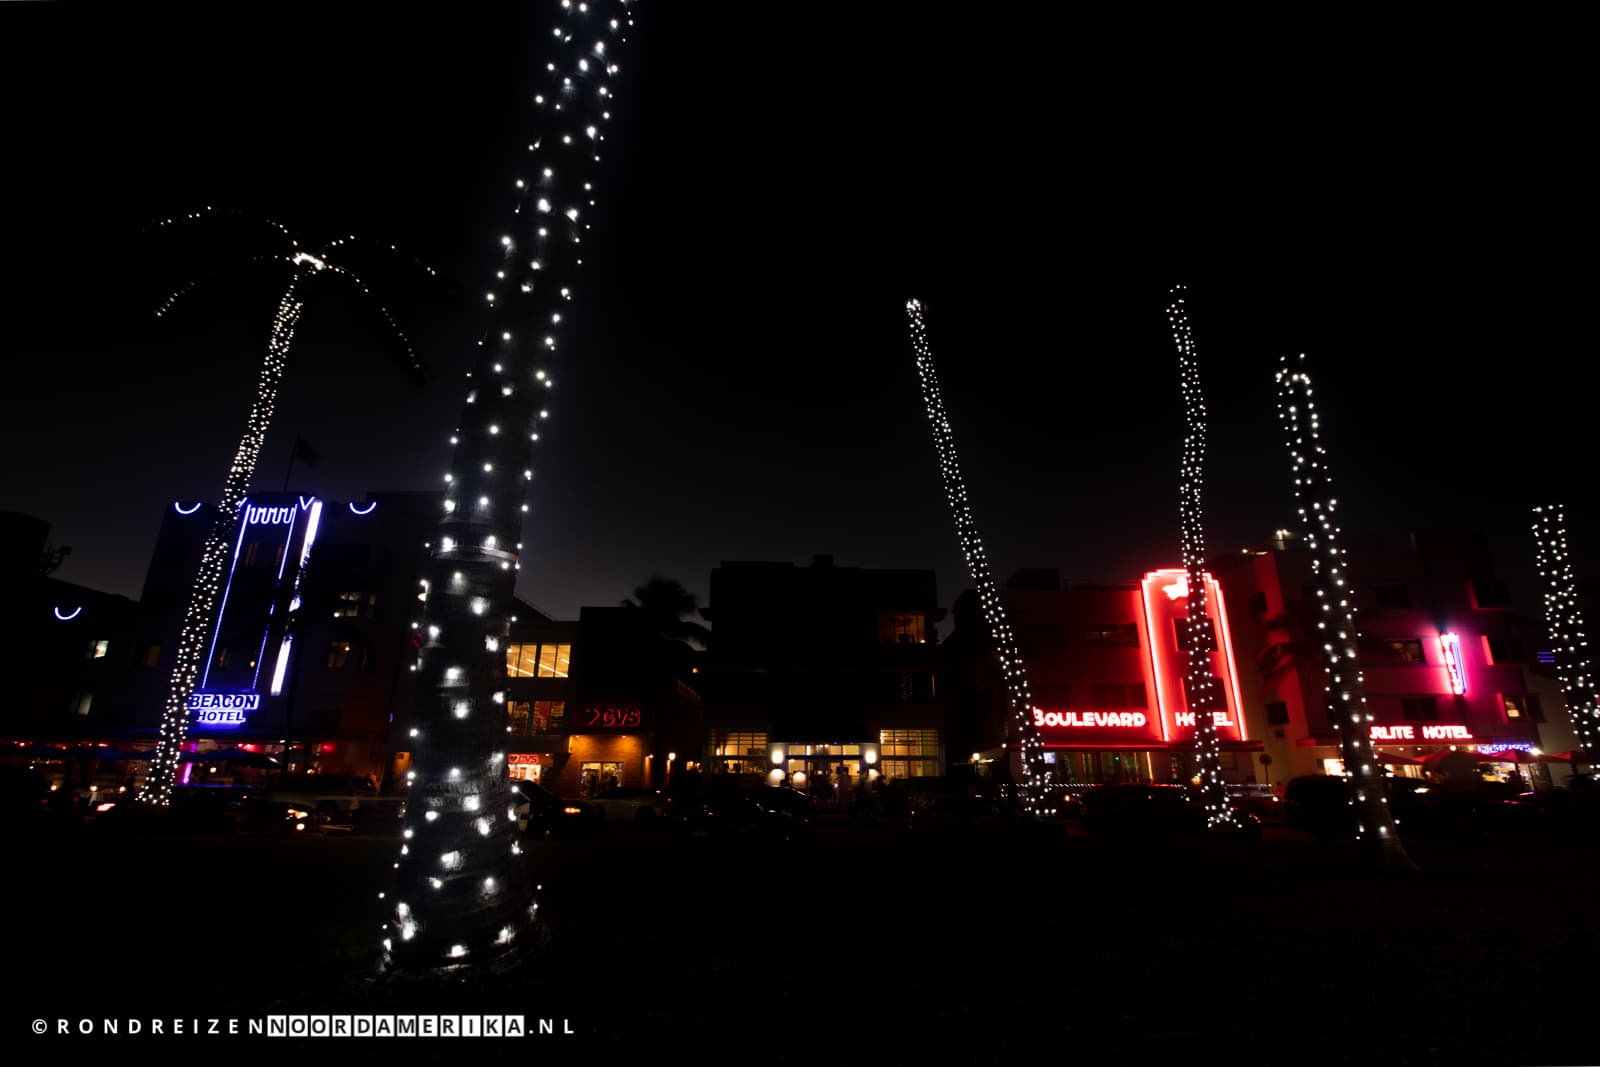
{"points": [[1402, 202]]}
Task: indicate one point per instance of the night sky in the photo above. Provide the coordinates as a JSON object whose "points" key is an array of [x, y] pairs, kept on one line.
{"points": [[1402, 204]]}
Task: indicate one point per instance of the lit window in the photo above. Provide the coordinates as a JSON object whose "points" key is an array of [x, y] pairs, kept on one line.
{"points": [[555, 661], [549, 716], [250, 552], [521, 660], [80, 703], [1113, 635], [909, 629], [338, 654], [351, 605], [152, 656], [97, 649], [517, 716]]}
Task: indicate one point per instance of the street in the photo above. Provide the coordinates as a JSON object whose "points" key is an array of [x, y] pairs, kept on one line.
{"points": [[871, 944]]}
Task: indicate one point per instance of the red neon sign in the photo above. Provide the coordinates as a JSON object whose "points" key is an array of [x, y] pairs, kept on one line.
{"points": [[1167, 663], [523, 757]]}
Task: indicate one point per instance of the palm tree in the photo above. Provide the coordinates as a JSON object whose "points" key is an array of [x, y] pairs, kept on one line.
{"points": [[200, 613], [462, 902], [1036, 775], [1336, 619], [664, 602], [1200, 685]]}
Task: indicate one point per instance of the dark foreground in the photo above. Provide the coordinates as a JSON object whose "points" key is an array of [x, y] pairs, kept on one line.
{"points": [[869, 945]]}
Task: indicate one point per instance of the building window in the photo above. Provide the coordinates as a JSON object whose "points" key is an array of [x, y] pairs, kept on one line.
{"points": [[98, 649], [1498, 650], [80, 702], [1419, 709], [1119, 695], [1399, 649], [902, 629], [549, 716], [369, 658], [1277, 713], [338, 654], [1257, 604], [738, 753], [908, 753], [517, 715], [1521, 706], [521, 660], [152, 655], [250, 552], [1113, 635], [1393, 597], [1490, 595], [555, 661], [353, 605], [538, 661], [223, 656]]}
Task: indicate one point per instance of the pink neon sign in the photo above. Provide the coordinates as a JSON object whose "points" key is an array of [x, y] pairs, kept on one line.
{"points": [[1450, 646], [1427, 731], [1134, 719]]}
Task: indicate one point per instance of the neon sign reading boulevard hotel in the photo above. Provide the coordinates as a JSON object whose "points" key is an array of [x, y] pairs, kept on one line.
{"points": [[1161, 609]]}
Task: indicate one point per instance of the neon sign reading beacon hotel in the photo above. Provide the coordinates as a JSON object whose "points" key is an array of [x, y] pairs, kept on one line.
{"points": [[1164, 600]]}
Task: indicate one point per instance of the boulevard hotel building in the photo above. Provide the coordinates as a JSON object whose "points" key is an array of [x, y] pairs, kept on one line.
{"points": [[1448, 665]]}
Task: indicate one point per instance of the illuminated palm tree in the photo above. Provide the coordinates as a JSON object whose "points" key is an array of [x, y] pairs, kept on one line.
{"points": [[1336, 618], [200, 614], [461, 900]]}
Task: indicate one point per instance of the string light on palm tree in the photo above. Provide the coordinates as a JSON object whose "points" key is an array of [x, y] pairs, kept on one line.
{"points": [[1200, 684], [1336, 617], [1036, 774], [1569, 644], [461, 900], [199, 615]]}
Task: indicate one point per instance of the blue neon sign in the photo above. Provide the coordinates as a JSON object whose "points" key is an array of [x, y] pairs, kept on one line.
{"points": [[220, 707]]}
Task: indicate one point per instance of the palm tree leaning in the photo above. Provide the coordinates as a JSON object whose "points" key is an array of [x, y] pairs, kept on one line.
{"points": [[664, 603], [200, 613]]}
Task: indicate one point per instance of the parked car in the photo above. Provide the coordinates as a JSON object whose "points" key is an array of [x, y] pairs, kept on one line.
{"points": [[1320, 804], [1148, 808], [630, 802], [543, 814], [1547, 809], [761, 815], [978, 818]]}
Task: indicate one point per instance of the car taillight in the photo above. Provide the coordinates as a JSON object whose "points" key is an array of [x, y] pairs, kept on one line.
{"points": [[107, 806], [570, 810]]}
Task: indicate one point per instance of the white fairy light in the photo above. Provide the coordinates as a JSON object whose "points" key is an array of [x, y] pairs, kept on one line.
{"points": [[1036, 774], [1569, 643], [1297, 413], [475, 581], [1200, 685]]}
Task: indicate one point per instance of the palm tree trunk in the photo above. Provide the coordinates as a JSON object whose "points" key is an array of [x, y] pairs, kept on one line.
{"points": [[200, 615], [1036, 775], [1336, 621], [462, 899], [1200, 683]]}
